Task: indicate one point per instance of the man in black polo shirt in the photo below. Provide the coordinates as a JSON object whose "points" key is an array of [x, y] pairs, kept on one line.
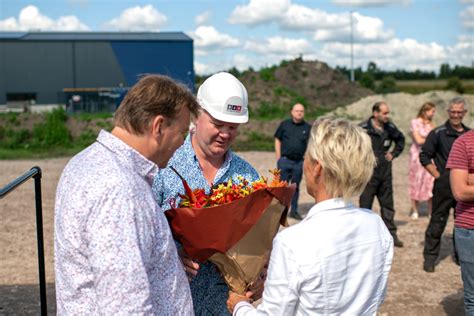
{"points": [[291, 139], [383, 134], [437, 146]]}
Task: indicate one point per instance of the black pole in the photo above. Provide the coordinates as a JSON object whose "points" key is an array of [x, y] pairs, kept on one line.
{"points": [[34, 172], [39, 234]]}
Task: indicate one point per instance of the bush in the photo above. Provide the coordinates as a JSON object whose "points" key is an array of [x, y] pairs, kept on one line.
{"points": [[367, 80], [86, 138], [12, 139], [387, 85], [267, 74], [54, 131], [454, 83]]}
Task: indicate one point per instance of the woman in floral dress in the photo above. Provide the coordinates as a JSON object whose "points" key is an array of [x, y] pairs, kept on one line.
{"points": [[421, 182]]}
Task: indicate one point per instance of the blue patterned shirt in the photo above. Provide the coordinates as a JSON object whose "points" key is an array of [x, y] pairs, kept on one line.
{"points": [[208, 288], [114, 253]]}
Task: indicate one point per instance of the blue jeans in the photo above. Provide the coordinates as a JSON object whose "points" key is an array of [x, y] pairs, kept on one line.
{"points": [[292, 171], [464, 245]]}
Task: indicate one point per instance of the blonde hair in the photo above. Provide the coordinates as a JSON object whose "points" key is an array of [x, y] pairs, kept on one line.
{"points": [[345, 153]]}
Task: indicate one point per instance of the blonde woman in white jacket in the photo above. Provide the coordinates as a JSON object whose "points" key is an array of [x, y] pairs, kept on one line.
{"points": [[337, 260]]}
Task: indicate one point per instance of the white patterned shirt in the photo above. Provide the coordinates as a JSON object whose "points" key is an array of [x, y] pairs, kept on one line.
{"points": [[336, 261], [114, 253]]}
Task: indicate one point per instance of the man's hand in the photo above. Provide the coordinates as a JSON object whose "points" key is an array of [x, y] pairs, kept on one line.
{"points": [[190, 267], [235, 298], [431, 168], [389, 156]]}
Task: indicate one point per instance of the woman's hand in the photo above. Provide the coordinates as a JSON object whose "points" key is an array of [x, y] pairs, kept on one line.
{"points": [[256, 289], [235, 298], [190, 267]]}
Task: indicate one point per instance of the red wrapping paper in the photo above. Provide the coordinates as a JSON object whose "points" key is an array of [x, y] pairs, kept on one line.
{"points": [[205, 231]]}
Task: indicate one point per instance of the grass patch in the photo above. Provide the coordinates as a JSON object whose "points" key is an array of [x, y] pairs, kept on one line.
{"points": [[87, 117], [22, 153], [422, 86], [254, 142]]}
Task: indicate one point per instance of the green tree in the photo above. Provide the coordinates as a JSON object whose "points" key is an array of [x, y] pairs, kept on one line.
{"points": [[367, 80], [372, 67], [444, 71]]}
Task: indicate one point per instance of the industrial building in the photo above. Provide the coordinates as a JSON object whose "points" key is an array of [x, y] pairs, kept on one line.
{"points": [[86, 71]]}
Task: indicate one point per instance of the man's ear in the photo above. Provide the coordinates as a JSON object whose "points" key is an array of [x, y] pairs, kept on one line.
{"points": [[157, 126]]}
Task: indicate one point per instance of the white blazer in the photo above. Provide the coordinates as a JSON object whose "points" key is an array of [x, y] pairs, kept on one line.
{"points": [[336, 261]]}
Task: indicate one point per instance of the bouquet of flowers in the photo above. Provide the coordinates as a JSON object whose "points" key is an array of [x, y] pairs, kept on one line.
{"points": [[233, 225]]}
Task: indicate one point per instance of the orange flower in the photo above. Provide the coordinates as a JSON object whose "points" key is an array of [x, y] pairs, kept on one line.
{"points": [[226, 192]]}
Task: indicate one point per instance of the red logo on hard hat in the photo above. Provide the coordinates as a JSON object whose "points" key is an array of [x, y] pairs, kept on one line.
{"points": [[234, 108]]}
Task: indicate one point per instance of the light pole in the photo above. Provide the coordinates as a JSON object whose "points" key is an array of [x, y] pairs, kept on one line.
{"points": [[352, 49]]}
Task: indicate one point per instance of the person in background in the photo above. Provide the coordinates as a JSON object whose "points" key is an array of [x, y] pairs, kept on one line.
{"points": [[205, 159], [436, 148], [421, 182], [336, 261], [461, 166], [291, 139], [114, 252], [383, 134]]}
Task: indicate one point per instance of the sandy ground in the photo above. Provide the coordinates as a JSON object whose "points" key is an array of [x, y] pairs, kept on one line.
{"points": [[411, 291]]}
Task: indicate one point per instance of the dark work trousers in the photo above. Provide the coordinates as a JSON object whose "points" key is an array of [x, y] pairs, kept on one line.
{"points": [[292, 171], [443, 201], [380, 185]]}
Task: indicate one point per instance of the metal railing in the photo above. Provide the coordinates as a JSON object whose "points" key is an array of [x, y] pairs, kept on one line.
{"points": [[35, 173]]}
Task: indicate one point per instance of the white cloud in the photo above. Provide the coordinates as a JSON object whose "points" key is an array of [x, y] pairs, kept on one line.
{"points": [[259, 11], [299, 17], [462, 52], [279, 46], [467, 17], [202, 18], [366, 29], [467, 1], [326, 26], [371, 3], [137, 19], [395, 54], [208, 37], [31, 19]]}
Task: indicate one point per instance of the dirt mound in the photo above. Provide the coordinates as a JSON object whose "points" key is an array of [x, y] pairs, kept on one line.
{"points": [[312, 83], [404, 107]]}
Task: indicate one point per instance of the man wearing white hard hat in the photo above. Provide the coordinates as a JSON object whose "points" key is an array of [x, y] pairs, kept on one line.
{"points": [[203, 160]]}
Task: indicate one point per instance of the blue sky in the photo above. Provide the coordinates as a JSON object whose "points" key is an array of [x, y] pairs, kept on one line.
{"points": [[395, 34]]}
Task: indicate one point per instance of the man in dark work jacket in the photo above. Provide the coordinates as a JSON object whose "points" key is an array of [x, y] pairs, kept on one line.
{"points": [[291, 140], [383, 134], [437, 147]]}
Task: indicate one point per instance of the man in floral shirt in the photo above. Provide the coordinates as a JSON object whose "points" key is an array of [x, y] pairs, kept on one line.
{"points": [[114, 253]]}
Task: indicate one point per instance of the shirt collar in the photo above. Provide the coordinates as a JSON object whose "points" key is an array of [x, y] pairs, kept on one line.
{"points": [[328, 205], [128, 156]]}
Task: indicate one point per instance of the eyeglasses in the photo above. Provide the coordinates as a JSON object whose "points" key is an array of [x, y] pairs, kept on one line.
{"points": [[457, 112]]}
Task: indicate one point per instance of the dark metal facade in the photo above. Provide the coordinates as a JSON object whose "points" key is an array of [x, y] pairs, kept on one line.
{"points": [[44, 65]]}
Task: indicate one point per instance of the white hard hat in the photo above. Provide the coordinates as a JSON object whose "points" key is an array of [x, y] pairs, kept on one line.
{"points": [[224, 97]]}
